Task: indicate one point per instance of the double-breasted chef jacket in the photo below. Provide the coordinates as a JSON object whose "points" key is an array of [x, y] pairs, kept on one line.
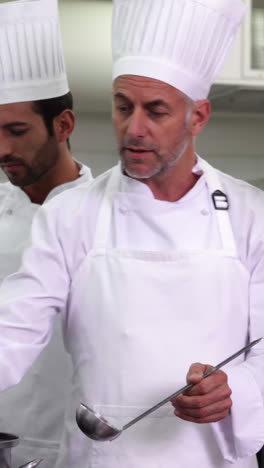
{"points": [[150, 287], [44, 389]]}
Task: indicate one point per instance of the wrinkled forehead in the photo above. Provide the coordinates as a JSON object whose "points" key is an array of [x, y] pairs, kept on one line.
{"points": [[146, 88]]}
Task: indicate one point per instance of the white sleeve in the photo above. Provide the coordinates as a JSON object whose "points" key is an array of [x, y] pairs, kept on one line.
{"points": [[242, 433], [30, 299]]}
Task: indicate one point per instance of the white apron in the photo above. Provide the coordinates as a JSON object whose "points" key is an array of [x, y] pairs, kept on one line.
{"points": [[136, 321]]}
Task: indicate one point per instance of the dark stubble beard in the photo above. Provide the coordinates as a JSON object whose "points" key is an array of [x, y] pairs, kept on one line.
{"points": [[44, 160]]}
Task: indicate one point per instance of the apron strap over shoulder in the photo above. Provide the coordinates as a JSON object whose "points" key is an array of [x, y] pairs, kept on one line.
{"points": [[104, 218], [221, 205]]}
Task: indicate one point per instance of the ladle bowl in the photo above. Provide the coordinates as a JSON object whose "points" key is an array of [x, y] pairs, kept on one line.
{"points": [[94, 426]]}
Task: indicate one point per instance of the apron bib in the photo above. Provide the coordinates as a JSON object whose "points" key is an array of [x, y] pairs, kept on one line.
{"points": [[136, 322]]}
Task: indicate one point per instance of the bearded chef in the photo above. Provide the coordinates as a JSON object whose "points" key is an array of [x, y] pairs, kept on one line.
{"points": [[160, 261], [36, 120]]}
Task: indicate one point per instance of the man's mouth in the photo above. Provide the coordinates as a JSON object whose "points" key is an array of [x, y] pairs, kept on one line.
{"points": [[137, 150], [10, 165]]}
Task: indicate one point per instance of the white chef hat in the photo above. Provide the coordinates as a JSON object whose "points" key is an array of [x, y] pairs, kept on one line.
{"points": [[32, 64], [180, 42]]}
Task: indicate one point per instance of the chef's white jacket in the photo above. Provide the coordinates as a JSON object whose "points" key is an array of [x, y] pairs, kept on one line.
{"points": [[34, 410], [62, 236]]}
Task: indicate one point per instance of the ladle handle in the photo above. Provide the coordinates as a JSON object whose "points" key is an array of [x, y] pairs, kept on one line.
{"points": [[186, 387], [33, 463]]}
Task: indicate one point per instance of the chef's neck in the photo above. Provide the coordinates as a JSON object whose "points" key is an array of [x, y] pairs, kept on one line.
{"points": [[65, 170], [172, 184]]}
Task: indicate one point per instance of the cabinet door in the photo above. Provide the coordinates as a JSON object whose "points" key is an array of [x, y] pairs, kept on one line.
{"points": [[253, 46]]}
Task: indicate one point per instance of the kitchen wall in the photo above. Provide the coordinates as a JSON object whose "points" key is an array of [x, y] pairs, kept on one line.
{"points": [[233, 140]]}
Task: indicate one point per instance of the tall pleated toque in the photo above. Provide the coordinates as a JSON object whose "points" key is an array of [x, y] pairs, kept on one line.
{"points": [[32, 63], [181, 42]]}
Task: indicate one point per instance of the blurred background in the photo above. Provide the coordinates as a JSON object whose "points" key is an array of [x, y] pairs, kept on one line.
{"points": [[233, 140]]}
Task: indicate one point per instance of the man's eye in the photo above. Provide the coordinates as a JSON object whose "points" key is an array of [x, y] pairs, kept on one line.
{"points": [[122, 108], [18, 132], [158, 114]]}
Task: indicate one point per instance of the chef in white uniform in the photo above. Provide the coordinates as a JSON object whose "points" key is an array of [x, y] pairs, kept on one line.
{"points": [[36, 121], [160, 261]]}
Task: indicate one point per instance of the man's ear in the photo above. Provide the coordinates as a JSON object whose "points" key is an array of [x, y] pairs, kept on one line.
{"points": [[200, 116], [63, 125]]}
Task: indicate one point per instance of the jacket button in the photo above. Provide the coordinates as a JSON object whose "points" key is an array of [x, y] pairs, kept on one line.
{"points": [[123, 209], [205, 212]]}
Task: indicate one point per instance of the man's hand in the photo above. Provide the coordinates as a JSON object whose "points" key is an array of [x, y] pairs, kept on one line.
{"points": [[208, 401]]}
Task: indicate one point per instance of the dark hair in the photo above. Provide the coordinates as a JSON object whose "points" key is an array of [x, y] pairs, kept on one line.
{"points": [[50, 108]]}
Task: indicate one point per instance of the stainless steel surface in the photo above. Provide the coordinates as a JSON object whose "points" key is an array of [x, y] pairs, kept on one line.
{"points": [[33, 463], [94, 426], [7, 441]]}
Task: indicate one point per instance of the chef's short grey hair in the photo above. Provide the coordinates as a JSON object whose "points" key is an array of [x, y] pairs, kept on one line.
{"points": [[189, 108]]}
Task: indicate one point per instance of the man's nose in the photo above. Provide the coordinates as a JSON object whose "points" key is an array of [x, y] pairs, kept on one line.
{"points": [[137, 124], [5, 146]]}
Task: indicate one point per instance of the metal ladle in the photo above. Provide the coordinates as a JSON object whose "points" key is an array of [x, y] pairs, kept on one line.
{"points": [[94, 426]]}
